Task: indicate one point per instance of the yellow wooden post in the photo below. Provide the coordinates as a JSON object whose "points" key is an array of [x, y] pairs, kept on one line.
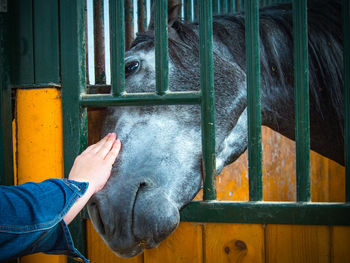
{"points": [[39, 143]]}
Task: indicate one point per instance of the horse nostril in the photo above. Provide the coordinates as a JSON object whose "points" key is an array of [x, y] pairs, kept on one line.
{"points": [[95, 212], [143, 184]]}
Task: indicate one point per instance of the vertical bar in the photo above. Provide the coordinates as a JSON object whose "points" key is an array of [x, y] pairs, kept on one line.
{"points": [[46, 53], [86, 50], [99, 42], [301, 93], [231, 6], [208, 104], [23, 72], [195, 10], [223, 7], [129, 23], [188, 10], [73, 81], [117, 46], [161, 46], [141, 15], [346, 35], [6, 161], [254, 99], [215, 7]]}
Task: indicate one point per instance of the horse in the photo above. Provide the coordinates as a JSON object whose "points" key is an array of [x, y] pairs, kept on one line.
{"points": [[159, 169]]}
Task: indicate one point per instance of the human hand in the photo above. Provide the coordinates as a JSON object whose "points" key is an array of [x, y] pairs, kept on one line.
{"points": [[94, 165]]}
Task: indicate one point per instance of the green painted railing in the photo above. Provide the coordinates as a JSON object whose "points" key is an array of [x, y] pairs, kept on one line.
{"points": [[254, 100], [301, 91], [210, 210], [6, 161], [56, 56], [208, 102], [346, 35]]}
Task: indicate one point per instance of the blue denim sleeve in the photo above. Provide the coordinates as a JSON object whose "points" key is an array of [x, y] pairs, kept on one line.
{"points": [[31, 218]]}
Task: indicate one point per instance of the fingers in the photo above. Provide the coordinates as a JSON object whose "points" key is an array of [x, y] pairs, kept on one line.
{"points": [[106, 146], [113, 153], [95, 147]]}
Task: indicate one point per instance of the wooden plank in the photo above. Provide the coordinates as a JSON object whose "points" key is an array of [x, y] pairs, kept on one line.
{"points": [[99, 252], [279, 166], [184, 245], [320, 177], [341, 244], [234, 243], [336, 186], [293, 243]]}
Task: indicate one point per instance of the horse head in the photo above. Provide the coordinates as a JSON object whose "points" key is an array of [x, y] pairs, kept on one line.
{"points": [[159, 168]]}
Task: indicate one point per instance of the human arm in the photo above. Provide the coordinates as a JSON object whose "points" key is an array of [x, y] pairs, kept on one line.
{"points": [[34, 215], [94, 166]]}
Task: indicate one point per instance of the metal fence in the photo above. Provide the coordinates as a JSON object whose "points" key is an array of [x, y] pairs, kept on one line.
{"points": [[73, 80], [209, 210]]}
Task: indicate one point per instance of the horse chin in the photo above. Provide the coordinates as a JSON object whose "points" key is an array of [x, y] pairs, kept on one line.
{"points": [[151, 218]]}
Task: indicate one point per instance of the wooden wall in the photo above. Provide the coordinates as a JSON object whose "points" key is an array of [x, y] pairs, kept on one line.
{"points": [[210, 242]]}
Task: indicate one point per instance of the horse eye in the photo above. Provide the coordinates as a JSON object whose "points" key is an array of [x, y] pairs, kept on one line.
{"points": [[131, 67]]}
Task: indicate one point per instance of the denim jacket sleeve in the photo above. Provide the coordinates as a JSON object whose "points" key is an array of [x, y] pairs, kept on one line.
{"points": [[31, 218]]}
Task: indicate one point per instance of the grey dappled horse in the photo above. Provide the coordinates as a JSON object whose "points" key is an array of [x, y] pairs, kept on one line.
{"points": [[159, 169]]}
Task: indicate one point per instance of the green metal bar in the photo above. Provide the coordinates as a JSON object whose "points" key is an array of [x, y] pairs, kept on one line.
{"points": [[99, 42], [232, 6], [72, 35], [208, 99], [346, 35], [161, 46], [6, 160], [142, 15], [129, 22], [46, 45], [242, 5], [215, 4], [301, 92], [223, 7], [117, 38], [23, 70], [267, 213], [170, 98], [195, 10], [254, 100], [188, 10]]}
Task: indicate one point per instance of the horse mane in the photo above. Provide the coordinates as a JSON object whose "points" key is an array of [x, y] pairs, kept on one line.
{"points": [[325, 43]]}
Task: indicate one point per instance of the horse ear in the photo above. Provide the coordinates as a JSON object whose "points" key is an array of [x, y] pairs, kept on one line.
{"points": [[174, 9]]}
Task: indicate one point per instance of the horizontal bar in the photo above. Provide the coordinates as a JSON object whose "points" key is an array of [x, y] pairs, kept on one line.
{"points": [[254, 100], [36, 85], [301, 93], [267, 213], [134, 99]]}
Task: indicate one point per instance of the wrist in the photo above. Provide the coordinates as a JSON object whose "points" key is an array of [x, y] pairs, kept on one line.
{"points": [[91, 186]]}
